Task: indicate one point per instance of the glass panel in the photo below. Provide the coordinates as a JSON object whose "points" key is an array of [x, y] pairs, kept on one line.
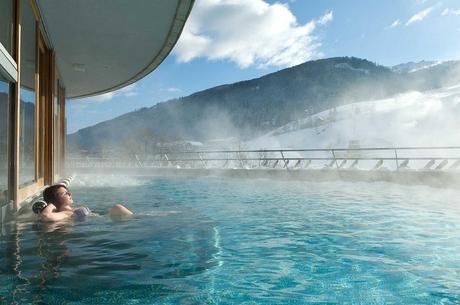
{"points": [[27, 113], [6, 24], [42, 108], [62, 128], [56, 129], [4, 102]]}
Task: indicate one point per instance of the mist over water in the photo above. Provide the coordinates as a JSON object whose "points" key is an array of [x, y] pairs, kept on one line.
{"points": [[107, 180]]}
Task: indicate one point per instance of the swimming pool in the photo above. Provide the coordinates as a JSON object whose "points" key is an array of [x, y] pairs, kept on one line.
{"points": [[214, 240]]}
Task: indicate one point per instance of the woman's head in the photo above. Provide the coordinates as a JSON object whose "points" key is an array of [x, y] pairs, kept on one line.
{"points": [[59, 195]]}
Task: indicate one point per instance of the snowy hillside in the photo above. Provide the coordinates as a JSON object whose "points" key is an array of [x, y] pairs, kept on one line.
{"points": [[411, 67], [428, 118]]}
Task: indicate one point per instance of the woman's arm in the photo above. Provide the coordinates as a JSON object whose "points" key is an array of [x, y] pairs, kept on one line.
{"points": [[49, 214]]}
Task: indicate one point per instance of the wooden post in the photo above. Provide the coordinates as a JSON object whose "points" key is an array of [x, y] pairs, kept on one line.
{"points": [[13, 170]]}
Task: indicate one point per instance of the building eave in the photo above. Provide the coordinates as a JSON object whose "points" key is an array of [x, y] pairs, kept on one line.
{"points": [[102, 66]]}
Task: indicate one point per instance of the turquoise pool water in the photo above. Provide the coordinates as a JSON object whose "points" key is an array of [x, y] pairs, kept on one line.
{"points": [[228, 241]]}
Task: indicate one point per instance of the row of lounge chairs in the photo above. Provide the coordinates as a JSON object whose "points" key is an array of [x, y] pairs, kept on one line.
{"points": [[341, 164], [353, 164]]}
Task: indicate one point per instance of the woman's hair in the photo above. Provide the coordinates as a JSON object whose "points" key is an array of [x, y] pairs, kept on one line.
{"points": [[49, 194]]}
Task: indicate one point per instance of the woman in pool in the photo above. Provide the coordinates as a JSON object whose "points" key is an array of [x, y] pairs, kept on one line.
{"points": [[59, 206]]}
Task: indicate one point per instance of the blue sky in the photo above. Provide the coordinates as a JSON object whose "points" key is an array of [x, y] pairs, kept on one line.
{"points": [[226, 41]]}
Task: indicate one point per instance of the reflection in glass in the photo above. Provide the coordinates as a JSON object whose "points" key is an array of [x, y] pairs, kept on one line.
{"points": [[6, 24], [4, 102], [27, 106]]}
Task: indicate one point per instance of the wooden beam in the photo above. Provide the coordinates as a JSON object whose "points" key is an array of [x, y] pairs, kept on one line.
{"points": [[13, 168], [29, 190]]}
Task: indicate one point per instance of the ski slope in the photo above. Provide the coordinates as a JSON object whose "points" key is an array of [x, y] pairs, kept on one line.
{"points": [[430, 118]]}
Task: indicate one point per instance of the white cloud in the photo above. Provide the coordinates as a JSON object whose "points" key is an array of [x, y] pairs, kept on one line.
{"points": [[129, 88], [396, 23], [420, 16], [326, 18], [249, 33], [100, 98], [449, 11], [127, 91], [173, 89]]}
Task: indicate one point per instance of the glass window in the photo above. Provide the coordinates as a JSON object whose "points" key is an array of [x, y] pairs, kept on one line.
{"points": [[27, 106], [4, 102], [56, 128], [6, 24]]}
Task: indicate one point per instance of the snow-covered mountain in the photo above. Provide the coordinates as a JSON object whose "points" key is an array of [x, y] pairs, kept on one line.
{"points": [[411, 67], [251, 108], [428, 118]]}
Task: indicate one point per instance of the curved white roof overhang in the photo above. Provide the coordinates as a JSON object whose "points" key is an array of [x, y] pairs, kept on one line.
{"points": [[104, 45]]}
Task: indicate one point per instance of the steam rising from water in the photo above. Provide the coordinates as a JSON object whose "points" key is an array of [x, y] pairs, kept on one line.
{"points": [[410, 119], [107, 180]]}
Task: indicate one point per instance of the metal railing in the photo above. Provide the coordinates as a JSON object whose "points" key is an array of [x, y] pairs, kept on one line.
{"points": [[391, 158]]}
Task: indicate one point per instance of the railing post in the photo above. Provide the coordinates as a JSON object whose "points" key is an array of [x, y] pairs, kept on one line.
{"points": [[239, 158], [202, 161], [284, 160], [335, 159], [138, 161], [167, 159], [396, 160]]}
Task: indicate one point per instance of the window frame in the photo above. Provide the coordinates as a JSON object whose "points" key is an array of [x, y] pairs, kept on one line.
{"points": [[9, 71], [8, 66], [48, 164]]}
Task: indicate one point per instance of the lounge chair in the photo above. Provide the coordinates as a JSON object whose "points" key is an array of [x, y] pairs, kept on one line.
{"points": [[404, 164], [330, 165], [297, 164], [342, 164], [441, 165], [455, 165], [429, 164], [354, 165], [378, 164]]}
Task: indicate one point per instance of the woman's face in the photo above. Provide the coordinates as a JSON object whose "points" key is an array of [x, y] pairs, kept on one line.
{"points": [[63, 197]]}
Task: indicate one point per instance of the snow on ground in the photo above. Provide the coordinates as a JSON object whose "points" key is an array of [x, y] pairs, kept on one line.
{"points": [[430, 118]]}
